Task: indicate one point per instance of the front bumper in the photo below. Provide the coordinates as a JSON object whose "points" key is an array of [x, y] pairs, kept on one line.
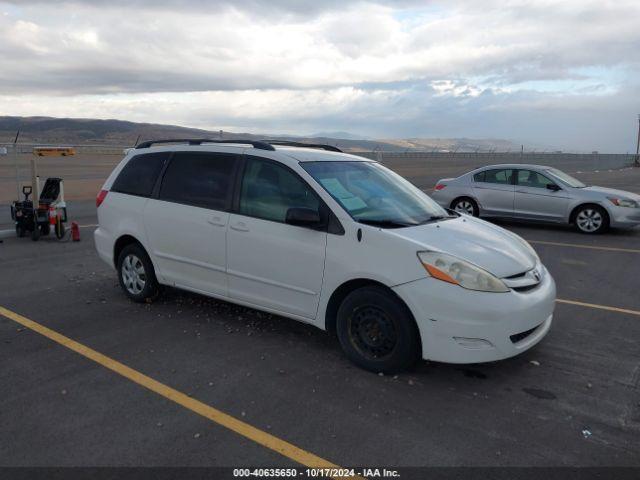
{"points": [[624, 217], [464, 326]]}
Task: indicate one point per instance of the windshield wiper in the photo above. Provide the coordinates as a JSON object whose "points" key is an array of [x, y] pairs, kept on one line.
{"points": [[386, 223], [436, 218]]}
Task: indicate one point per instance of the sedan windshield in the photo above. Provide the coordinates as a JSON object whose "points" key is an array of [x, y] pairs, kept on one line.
{"points": [[566, 178], [374, 195]]}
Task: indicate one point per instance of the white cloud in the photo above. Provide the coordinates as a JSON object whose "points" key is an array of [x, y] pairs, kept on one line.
{"points": [[376, 66]]}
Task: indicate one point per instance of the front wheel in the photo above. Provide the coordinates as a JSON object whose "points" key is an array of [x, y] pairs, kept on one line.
{"points": [[466, 205], [591, 219], [136, 274], [377, 331]]}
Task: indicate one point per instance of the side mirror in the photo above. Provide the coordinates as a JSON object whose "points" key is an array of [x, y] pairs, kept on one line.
{"points": [[302, 217], [553, 187]]}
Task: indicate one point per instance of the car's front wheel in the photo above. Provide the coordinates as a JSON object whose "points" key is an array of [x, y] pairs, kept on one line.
{"points": [[377, 331], [136, 274], [465, 205], [591, 219]]}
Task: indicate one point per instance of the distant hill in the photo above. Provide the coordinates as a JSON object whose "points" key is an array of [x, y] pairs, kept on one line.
{"points": [[81, 131]]}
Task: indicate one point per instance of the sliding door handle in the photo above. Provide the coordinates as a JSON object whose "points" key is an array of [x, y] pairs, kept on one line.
{"points": [[240, 227]]}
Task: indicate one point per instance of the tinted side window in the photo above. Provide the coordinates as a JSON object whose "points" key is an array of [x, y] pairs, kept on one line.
{"points": [[494, 176], [529, 178], [269, 190], [139, 175], [200, 178]]}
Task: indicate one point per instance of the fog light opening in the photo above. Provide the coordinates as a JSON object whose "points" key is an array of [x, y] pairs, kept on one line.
{"points": [[473, 343]]}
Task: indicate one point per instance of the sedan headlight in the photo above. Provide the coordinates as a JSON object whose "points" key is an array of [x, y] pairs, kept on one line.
{"points": [[624, 202], [460, 272]]}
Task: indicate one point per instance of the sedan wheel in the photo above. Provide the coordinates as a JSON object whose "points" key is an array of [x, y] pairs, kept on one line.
{"points": [[591, 220], [466, 206]]}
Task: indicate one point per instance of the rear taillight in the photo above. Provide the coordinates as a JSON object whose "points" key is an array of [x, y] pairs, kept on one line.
{"points": [[439, 187], [101, 196]]}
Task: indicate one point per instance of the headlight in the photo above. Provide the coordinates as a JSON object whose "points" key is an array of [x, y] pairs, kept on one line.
{"points": [[459, 272], [624, 202]]}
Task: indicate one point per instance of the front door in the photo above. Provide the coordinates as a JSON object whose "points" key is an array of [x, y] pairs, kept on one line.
{"points": [[536, 201], [270, 263]]}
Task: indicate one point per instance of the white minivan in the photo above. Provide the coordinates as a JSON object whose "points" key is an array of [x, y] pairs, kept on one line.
{"points": [[327, 238]]}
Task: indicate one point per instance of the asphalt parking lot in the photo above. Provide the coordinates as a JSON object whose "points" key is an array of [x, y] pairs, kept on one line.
{"points": [[573, 400]]}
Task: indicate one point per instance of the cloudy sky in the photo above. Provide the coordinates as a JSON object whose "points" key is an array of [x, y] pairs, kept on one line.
{"points": [[563, 74]]}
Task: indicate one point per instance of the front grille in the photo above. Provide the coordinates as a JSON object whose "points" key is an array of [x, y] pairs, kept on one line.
{"points": [[526, 288], [516, 276], [518, 337]]}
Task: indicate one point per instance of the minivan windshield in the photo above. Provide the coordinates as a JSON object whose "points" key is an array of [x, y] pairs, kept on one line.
{"points": [[374, 195], [566, 178]]}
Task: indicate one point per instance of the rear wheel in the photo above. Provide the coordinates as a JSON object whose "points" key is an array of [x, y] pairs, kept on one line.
{"points": [[466, 205], [20, 231], [376, 330], [136, 274], [591, 219]]}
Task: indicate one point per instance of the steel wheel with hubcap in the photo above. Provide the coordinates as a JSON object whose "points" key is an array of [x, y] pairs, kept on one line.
{"points": [[136, 274], [591, 219], [465, 205], [377, 331]]}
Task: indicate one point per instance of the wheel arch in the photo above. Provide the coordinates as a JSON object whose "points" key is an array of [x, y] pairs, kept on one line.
{"points": [[122, 242], [341, 292], [574, 211]]}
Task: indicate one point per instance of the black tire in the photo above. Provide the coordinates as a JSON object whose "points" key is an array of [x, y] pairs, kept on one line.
{"points": [[377, 331], [466, 205], [35, 233], [20, 231], [591, 219], [45, 229], [150, 287]]}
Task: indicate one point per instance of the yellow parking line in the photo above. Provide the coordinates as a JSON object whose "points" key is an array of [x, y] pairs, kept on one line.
{"points": [[241, 428], [599, 307], [590, 247]]}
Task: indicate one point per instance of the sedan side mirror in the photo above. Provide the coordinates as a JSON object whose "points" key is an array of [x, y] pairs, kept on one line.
{"points": [[553, 187], [302, 217]]}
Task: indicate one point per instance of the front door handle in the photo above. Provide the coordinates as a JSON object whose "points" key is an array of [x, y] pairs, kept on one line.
{"points": [[240, 227]]}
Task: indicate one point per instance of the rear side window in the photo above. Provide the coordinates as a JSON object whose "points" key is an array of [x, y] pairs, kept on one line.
{"points": [[200, 178], [494, 176], [140, 173]]}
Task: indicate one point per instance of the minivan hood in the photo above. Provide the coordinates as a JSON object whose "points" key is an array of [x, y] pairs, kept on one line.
{"points": [[481, 243], [612, 192]]}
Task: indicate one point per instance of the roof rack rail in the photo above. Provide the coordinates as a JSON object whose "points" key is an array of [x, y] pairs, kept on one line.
{"points": [[199, 141], [286, 143]]}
